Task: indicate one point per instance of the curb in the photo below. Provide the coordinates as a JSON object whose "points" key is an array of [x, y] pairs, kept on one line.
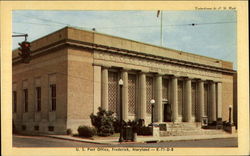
{"points": [[187, 139], [103, 142], [78, 140]]}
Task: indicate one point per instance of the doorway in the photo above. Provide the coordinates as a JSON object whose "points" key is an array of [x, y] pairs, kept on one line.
{"points": [[167, 113]]}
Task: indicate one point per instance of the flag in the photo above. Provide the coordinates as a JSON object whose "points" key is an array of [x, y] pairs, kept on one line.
{"points": [[158, 13]]}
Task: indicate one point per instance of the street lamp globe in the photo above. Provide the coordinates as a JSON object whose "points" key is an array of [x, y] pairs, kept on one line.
{"points": [[152, 101], [120, 82]]}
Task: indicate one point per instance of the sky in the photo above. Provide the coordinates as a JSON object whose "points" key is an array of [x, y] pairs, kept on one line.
{"points": [[213, 35]]}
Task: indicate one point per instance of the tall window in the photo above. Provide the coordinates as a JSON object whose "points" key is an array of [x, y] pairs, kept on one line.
{"points": [[112, 91], [180, 97], [14, 101], [194, 103], [131, 93], [149, 93], [53, 97], [205, 99], [165, 89], [25, 93], [38, 99]]}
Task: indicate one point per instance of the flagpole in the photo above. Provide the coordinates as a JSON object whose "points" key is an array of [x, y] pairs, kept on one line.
{"points": [[161, 30], [161, 35]]}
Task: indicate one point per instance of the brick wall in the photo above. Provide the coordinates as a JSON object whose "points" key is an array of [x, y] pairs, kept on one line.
{"points": [[40, 68], [227, 95], [80, 88]]}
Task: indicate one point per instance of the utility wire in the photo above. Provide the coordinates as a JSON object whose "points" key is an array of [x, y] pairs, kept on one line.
{"points": [[43, 19], [124, 27], [192, 24], [18, 33], [51, 21], [66, 24], [56, 23], [37, 23], [225, 22]]}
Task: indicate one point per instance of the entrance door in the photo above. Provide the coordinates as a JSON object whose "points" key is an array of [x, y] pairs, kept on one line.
{"points": [[167, 112]]}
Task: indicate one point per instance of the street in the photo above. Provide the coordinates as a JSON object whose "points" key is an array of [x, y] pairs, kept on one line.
{"points": [[41, 141]]}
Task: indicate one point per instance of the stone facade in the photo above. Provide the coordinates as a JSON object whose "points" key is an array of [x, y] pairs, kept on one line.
{"points": [[85, 67]]}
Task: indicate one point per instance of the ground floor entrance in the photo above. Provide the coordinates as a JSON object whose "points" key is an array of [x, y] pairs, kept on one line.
{"points": [[167, 113]]}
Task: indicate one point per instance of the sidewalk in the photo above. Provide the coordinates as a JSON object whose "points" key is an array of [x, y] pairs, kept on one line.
{"points": [[142, 139]]}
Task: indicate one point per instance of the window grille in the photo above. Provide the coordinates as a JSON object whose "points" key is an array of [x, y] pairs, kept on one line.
{"points": [[112, 91], [194, 100], [180, 97], [165, 88], [208, 100], [131, 93], [205, 100], [149, 93]]}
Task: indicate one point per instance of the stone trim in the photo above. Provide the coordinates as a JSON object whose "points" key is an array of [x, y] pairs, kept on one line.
{"points": [[92, 46]]}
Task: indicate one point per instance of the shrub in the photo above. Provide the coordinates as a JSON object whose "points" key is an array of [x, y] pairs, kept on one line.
{"points": [[103, 122], [69, 131], [106, 130], [86, 131]]}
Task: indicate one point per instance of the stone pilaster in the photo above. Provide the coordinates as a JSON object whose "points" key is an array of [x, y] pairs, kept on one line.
{"points": [[158, 108], [142, 93], [97, 88], [187, 101], [125, 95], [104, 96], [201, 99], [174, 98]]}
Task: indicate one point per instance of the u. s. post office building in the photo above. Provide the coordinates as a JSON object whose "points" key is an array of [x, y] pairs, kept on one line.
{"points": [[72, 72]]}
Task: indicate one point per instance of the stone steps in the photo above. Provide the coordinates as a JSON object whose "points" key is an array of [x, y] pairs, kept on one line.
{"points": [[182, 133], [184, 129]]}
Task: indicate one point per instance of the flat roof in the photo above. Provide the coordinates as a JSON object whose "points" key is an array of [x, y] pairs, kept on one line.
{"points": [[123, 43]]}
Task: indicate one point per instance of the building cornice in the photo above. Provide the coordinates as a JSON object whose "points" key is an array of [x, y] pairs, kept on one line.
{"points": [[114, 50]]}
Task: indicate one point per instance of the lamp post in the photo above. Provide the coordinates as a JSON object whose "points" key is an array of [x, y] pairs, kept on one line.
{"points": [[230, 109], [121, 124], [152, 110]]}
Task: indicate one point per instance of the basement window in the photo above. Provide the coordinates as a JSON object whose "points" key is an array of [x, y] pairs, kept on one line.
{"points": [[51, 128], [36, 128], [23, 127]]}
